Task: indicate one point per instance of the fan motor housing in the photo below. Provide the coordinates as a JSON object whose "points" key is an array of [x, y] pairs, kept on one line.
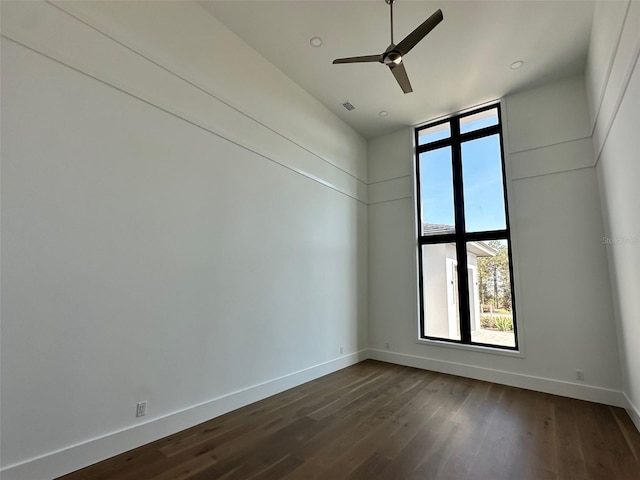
{"points": [[392, 58]]}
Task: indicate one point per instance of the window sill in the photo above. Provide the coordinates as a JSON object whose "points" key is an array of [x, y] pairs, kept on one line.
{"points": [[472, 348]]}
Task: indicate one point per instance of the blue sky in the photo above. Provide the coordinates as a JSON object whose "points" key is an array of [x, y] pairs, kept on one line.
{"points": [[482, 178]]}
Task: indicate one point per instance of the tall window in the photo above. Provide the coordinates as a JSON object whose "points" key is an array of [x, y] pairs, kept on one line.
{"points": [[466, 287]]}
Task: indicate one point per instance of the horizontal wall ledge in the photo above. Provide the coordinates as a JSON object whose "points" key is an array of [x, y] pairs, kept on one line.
{"points": [[58, 35], [388, 190], [561, 157]]}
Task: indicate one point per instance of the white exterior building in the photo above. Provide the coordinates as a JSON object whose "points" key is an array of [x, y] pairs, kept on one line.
{"points": [[439, 265]]}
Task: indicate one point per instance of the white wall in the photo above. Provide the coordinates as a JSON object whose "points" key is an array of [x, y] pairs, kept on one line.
{"points": [[197, 241], [562, 292], [608, 17], [615, 121]]}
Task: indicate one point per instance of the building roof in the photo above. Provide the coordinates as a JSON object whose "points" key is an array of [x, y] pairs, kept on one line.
{"points": [[480, 249], [437, 229]]}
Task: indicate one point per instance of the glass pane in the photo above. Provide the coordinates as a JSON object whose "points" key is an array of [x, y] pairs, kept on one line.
{"points": [[490, 299], [479, 120], [431, 134], [440, 291], [436, 192], [483, 187]]}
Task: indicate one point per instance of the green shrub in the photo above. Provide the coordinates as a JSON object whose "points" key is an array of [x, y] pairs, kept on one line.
{"points": [[503, 323]]}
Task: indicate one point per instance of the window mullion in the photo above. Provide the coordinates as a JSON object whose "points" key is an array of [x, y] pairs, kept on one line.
{"points": [[461, 244]]}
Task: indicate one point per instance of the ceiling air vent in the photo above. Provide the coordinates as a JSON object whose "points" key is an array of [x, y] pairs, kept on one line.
{"points": [[348, 106]]}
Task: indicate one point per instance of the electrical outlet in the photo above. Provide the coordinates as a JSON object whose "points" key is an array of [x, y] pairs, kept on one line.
{"points": [[580, 375], [141, 409], [341, 349], [386, 345]]}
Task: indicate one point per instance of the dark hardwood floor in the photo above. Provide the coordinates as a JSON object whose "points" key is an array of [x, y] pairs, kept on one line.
{"points": [[376, 420]]}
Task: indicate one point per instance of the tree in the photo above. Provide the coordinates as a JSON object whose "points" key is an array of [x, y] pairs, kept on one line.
{"points": [[494, 281]]}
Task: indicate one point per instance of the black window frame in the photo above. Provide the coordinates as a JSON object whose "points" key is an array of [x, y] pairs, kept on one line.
{"points": [[461, 237]]}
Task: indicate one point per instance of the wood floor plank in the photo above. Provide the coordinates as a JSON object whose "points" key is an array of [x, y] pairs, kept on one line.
{"points": [[472, 421], [186, 470], [350, 450], [132, 462], [437, 394], [343, 434], [544, 461], [598, 463], [493, 460], [267, 453], [569, 454], [369, 468], [622, 457], [381, 421], [254, 413], [521, 448], [262, 423], [425, 445], [628, 430]]}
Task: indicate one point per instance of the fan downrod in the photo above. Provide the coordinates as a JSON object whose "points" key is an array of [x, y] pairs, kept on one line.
{"points": [[390, 3]]}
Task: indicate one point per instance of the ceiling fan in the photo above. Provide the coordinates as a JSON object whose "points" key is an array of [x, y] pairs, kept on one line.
{"points": [[392, 56]]}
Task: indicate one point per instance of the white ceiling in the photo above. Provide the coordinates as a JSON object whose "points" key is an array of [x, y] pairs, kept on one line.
{"points": [[463, 62]]}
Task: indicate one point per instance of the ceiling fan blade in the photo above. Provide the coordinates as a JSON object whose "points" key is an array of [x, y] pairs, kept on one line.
{"points": [[419, 33], [366, 58], [401, 76]]}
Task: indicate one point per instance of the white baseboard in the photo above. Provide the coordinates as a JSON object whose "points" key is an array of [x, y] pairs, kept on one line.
{"points": [[74, 457], [633, 412], [540, 384]]}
